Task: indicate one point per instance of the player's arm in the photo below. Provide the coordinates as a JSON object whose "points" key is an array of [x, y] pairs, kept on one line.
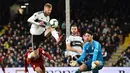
{"points": [[68, 47], [80, 59], [82, 42], [44, 53], [47, 55], [96, 50], [95, 54], [33, 18]]}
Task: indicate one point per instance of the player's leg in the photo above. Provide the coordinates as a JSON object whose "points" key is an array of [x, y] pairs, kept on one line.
{"points": [[47, 32], [36, 41], [85, 67], [38, 69], [75, 58], [99, 66], [82, 68], [95, 70], [54, 33], [43, 68]]}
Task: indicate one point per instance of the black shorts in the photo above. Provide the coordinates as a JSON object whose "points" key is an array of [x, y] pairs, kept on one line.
{"points": [[38, 39]]}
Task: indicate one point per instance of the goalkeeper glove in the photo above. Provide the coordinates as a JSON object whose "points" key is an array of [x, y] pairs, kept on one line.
{"points": [[93, 65], [73, 63]]}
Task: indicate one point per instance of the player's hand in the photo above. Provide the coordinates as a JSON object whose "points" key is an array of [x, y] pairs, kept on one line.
{"points": [[42, 24], [93, 65], [73, 63], [52, 61]]}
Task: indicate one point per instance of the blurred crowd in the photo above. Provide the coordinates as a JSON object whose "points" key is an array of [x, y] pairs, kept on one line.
{"points": [[123, 59], [104, 31], [17, 39]]}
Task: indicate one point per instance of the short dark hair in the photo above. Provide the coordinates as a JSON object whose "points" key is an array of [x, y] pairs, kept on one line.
{"points": [[89, 32], [74, 26]]}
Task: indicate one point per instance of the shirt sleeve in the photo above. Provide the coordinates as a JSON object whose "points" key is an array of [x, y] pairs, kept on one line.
{"points": [[96, 50], [33, 18], [83, 54]]}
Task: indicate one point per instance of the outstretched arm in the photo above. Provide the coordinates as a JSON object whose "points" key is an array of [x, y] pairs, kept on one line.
{"points": [[44, 53], [83, 54], [47, 55]]}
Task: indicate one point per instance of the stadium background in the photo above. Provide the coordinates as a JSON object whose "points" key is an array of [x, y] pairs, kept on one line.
{"points": [[108, 19]]}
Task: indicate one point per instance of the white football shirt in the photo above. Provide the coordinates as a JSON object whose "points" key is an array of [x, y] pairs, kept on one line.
{"points": [[75, 42], [35, 19]]}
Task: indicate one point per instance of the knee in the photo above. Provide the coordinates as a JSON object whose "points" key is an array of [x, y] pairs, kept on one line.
{"points": [[38, 70], [98, 63], [83, 67]]}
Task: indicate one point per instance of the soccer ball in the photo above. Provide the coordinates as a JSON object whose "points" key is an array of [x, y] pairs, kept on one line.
{"points": [[54, 23]]}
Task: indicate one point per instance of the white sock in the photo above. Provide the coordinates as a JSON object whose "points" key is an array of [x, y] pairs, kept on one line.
{"points": [[55, 34]]}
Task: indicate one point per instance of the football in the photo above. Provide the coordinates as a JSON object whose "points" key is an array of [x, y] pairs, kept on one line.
{"points": [[54, 23]]}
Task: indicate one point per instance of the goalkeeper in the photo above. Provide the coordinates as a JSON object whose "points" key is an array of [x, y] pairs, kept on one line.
{"points": [[40, 28], [93, 49]]}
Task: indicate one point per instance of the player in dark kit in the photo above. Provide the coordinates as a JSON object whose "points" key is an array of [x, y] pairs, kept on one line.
{"points": [[36, 60], [2, 65]]}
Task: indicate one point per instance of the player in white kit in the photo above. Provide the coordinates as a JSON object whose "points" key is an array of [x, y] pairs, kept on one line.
{"points": [[74, 44], [39, 28]]}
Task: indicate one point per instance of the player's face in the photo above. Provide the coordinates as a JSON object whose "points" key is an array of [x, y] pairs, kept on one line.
{"points": [[74, 30], [30, 49], [87, 37], [47, 11]]}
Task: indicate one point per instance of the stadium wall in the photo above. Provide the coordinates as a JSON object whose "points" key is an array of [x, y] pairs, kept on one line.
{"points": [[69, 70]]}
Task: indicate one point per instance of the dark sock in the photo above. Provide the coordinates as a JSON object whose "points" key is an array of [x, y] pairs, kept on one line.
{"points": [[78, 71], [95, 70]]}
